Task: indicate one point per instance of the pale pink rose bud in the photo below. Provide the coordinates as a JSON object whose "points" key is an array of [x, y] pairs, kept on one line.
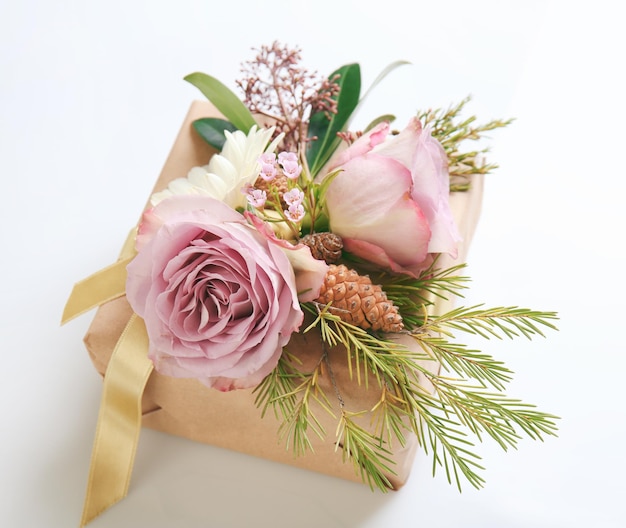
{"points": [[390, 201]]}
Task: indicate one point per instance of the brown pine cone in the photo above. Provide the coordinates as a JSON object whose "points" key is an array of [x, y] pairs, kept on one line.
{"points": [[279, 183], [357, 301], [324, 246]]}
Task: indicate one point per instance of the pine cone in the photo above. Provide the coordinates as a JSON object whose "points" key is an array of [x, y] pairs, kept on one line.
{"points": [[279, 183], [357, 301], [324, 246]]}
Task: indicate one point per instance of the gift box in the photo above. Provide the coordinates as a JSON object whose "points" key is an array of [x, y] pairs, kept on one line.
{"points": [[232, 420]]}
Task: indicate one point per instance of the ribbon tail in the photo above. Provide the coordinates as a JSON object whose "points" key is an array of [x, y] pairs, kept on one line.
{"points": [[119, 421], [103, 286]]}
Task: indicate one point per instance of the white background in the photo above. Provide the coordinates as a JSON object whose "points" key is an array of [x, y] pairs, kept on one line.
{"points": [[91, 99]]}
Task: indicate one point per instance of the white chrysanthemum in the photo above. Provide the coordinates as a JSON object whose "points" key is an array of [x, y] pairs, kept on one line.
{"points": [[227, 173]]}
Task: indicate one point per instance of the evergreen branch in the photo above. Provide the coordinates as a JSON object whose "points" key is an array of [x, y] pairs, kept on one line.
{"points": [[290, 392], [366, 353], [492, 413], [412, 295], [391, 364], [455, 404], [391, 416], [431, 282], [448, 445], [277, 388], [493, 322], [371, 459], [465, 362], [458, 407]]}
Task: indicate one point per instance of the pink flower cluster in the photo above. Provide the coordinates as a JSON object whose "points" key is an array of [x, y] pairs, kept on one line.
{"points": [[288, 163]]}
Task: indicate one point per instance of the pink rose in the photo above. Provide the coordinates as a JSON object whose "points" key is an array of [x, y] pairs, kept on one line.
{"points": [[218, 299], [390, 203]]}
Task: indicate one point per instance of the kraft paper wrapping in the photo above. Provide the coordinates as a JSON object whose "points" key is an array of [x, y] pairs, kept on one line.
{"points": [[186, 408]]}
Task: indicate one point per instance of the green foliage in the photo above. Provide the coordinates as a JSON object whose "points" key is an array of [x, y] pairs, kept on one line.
{"points": [[315, 198], [368, 454], [448, 395], [385, 118], [211, 129], [224, 100], [290, 393], [325, 126], [386, 71], [413, 295], [494, 322]]}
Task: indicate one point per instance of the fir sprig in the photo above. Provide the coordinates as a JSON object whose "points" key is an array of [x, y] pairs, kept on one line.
{"points": [[371, 459], [366, 354], [442, 437], [465, 362], [493, 322], [417, 396], [430, 282], [413, 295], [291, 392]]}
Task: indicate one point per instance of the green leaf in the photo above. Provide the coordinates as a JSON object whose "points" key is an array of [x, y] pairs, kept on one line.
{"points": [[211, 129], [223, 99], [386, 71], [326, 129]]}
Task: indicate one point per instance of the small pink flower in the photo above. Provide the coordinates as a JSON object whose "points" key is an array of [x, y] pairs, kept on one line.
{"points": [[292, 169], [218, 298], [293, 197], [256, 197], [268, 172], [287, 156], [289, 163], [268, 158], [295, 213]]}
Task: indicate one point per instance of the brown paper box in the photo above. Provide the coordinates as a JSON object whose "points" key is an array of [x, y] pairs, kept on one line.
{"points": [[231, 420]]}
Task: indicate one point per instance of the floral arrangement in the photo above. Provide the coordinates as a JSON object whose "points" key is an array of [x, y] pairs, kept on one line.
{"points": [[301, 226]]}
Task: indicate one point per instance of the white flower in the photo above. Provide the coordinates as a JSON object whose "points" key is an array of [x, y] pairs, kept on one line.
{"points": [[226, 173]]}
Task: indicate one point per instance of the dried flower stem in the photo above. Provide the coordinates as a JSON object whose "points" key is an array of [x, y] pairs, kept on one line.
{"points": [[275, 85]]}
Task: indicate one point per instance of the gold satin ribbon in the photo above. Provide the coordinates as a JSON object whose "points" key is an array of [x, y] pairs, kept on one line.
{"points": [[119, 421], [103, 286], [119, 417]]}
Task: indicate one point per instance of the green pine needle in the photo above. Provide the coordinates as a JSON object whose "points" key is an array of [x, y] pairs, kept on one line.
{"points": [[371, 459], [443, 392], [494, 322]]}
